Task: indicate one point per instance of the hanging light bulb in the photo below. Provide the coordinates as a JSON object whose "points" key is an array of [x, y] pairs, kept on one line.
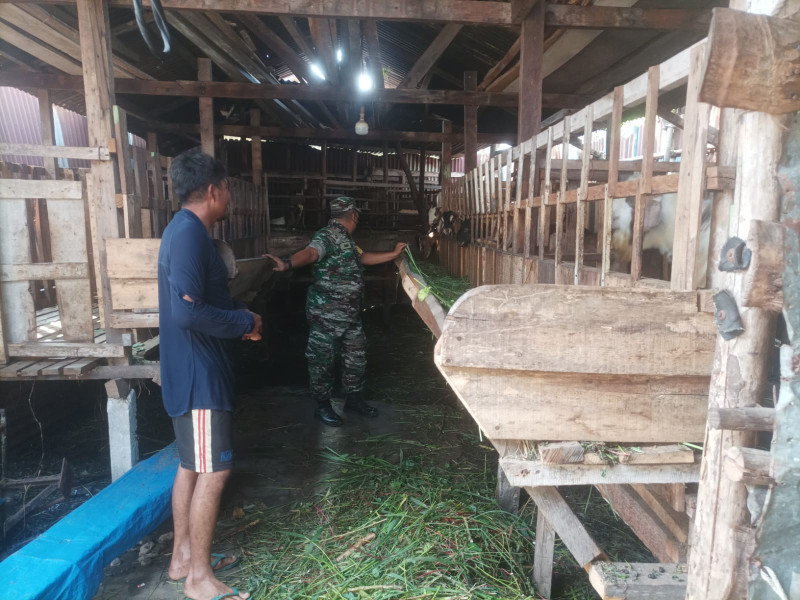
{"points": [[362, 128]]}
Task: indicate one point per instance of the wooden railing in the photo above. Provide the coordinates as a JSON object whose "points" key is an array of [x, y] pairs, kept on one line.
{"points": [[509, 200]]}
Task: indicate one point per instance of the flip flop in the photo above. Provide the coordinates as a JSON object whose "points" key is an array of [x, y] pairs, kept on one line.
{"points": [[232, 594], [216, 559]]}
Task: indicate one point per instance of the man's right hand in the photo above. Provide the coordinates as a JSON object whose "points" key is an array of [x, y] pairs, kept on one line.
{"points": [[279, 264], [255, 333]]}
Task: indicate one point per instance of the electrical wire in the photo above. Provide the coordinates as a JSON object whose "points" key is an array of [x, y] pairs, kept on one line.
{"points": [[161, 25]]}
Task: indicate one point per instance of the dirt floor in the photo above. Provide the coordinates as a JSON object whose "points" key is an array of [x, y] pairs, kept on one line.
{"points": [[419, 480]]}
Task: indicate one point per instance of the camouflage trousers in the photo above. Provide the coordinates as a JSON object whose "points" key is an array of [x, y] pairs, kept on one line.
{"points": [[328, 338]]}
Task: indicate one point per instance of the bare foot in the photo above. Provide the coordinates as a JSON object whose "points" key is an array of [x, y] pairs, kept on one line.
{"points": [[210, 588], [179, 565]]}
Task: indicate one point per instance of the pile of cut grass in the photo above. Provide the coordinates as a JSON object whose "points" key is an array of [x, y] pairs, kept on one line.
{"points": [[415, 529], [445, 287]]}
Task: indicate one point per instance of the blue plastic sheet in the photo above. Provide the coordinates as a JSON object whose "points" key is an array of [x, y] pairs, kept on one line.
{"points": [[67, 560]]}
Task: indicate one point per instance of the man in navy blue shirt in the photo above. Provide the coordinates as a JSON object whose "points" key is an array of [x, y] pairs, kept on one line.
{"points": [[198, 319]]}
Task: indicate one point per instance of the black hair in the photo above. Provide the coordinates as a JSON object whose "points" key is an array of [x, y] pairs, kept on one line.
{"points": [[193, 171]]}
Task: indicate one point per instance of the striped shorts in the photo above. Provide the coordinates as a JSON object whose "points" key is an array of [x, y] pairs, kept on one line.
{"points": [[205, 440]]}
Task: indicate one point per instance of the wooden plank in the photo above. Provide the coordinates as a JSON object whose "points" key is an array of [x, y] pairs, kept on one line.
{"points": [[608, 213], [644, 522], [41, 51], [558, 453], [12, 369], [51, 151], [131, 202], [134, 320], [154, 175], [48, 132], [132, 259], [34, 369], [443, 11], [676, 522], [611, 17], [68, 244], [566, 524], [56, 367], [584, 186], [544, 209], [523, 473], [543, 555], [649, 455], [688, 208], [66, 349], [79, 367], [612, 331], [44, 271], [649, 131], [19, 314], [432, 53], [748, 64], [559, 255], [652, 581], [638, 233], [128, 294], [3, 328], [675, 495], [206, 108], [555, 407], [40, 188]]}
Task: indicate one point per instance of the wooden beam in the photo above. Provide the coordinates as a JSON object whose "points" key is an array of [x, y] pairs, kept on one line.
{"points": [[48, 138], [100, 183], [523, 473], [644, 522], [529, 119], [749, 466], [443, 11], [566, 524], [748, 65], [521, 9], [276, 44], [470, 124], [299, 38], [753, 418], [428, 59], [253, 91], [611, 17], [496, 70]]}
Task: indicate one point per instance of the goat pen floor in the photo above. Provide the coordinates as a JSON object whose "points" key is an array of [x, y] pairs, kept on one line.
{"points": [[401, 506]]}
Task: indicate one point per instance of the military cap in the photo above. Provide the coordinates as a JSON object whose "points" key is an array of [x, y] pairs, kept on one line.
{"points": [[342, 205]]}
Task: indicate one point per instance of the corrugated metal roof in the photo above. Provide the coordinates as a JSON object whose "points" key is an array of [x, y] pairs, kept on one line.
{"points": [[20, 124]]}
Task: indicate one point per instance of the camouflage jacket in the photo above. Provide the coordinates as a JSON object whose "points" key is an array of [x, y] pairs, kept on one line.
{"points": [[338, 275]]}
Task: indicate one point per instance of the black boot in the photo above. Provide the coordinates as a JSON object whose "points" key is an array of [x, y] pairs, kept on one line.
{"points": [[327, 415], [355, 402]]}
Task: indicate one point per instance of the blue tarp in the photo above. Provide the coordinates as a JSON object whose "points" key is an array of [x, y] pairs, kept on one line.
{"points": [[67, 560]]}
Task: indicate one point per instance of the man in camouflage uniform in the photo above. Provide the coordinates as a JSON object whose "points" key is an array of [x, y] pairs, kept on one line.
{"points": [[333, 309]]}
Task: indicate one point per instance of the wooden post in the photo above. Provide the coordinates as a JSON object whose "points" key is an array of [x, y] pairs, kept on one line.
{"points": [[99, 96], [586, 155], [121, 410], [422, 177], [131, 202], [543, 555], [614, 140], [529, 119], [157, 204], [255, 143], [561, 198], [447, 156], [470, 124], [206, 108], [355, 162], [544, 208], [717, 568], [691, 181], [48, 137]]}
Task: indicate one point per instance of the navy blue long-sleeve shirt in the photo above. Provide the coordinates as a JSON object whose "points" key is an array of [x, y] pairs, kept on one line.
{"points": [[196, 365]]}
